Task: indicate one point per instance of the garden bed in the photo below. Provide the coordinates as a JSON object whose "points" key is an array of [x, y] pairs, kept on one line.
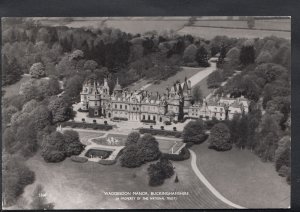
{"points": [[99, 153], [176, 134], [87, 125]]}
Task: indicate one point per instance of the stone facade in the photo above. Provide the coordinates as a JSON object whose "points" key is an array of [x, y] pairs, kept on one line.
{"points": [[219, 107], [135, 106], [173, 105]]}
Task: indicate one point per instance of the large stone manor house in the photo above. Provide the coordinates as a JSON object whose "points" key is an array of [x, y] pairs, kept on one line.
{"points": [[173, 105]]}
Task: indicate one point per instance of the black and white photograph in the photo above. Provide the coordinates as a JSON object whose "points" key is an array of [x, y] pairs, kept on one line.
{"points": [[146, 112]]}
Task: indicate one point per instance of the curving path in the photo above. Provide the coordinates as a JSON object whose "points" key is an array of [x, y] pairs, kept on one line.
{"points": [[208, 185]]}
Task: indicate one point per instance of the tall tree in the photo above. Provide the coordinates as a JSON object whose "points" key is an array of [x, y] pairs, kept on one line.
{"points": [[219, 138], [59, 109], [250, 22], [247, 54], [221, 58], [197, 94], [202, 57], [148, 148], [37, 70], [189, 54], [194, 131]]}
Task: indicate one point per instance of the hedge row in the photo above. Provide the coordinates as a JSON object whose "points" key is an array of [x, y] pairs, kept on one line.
{"points": [[148, 121], [201, 138], [107, 162], [120, 119], [79, 159], [160, 132], [183, 155], [87, 125]]}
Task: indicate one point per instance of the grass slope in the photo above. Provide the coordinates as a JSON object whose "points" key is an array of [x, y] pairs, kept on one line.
{"points": [[12, 90], [73, 185], [243, 178], [162, 85]]}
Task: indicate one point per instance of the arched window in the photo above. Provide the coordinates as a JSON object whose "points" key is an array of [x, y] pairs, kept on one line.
{"points": [[144, 117]]}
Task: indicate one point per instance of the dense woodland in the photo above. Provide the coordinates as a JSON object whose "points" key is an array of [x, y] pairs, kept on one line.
{"points": [[51, 54], [264, 78]]}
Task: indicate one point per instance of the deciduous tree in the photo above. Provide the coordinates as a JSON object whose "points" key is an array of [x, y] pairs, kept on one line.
{"points": [[219, 138], [132, 138], [148, 148], [37, 70], [194, 132]]}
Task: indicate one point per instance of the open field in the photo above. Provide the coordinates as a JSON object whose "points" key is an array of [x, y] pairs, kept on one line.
{"points": [[73, 185], [202, 28], [13, 89], [127, 24], [210, 32], [243, 178], [281, 24]]}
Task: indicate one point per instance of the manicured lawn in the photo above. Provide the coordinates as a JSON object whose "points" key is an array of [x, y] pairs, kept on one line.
{"points": [[203, 87], [120, 138], [85, 136], [165, 145], [162, 85], [185, 72], [73, 185], [243, 178]]}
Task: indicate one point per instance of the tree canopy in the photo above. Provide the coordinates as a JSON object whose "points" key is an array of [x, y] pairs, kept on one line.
{"points": [[194, 131], [219, 138]]}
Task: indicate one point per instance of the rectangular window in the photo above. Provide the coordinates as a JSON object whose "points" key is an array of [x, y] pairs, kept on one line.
{"points": [[116, 106], [120, 106], [125, 107]]}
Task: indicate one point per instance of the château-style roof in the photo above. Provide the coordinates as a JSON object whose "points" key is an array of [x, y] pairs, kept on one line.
{"points": [[118, 86]]}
